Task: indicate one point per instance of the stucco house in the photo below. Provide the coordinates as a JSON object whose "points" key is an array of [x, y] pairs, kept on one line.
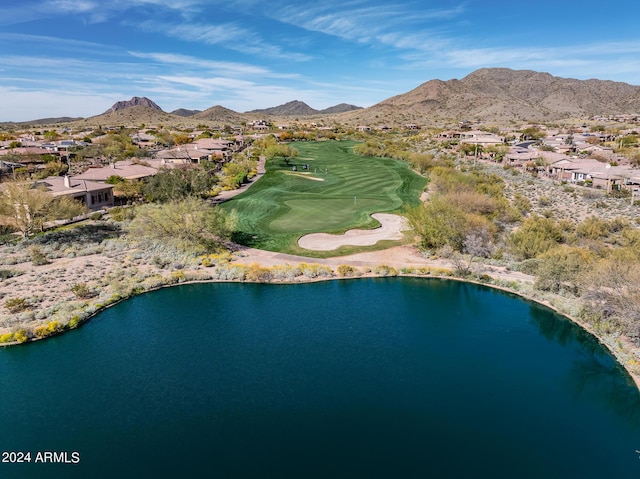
{"points": [[126, 170], [92, 194]]}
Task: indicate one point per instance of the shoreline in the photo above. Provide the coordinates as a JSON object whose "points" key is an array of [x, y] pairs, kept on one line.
{"points": [[400, 267]]}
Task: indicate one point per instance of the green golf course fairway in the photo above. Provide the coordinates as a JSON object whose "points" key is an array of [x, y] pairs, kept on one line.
{"points": [[339, 191]]}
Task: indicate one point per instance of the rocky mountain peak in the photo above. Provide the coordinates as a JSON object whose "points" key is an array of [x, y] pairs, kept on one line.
{"points": [[135, 101]]}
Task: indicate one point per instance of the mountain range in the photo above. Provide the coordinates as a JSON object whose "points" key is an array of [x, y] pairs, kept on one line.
{"points": [[525, 95], [299, 108], [488, 94]]}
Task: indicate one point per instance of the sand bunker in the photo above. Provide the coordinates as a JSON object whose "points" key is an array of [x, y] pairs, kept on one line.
{"points": [[391, 227]]}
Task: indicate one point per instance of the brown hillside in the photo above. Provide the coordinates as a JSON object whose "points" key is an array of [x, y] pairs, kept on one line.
{"points": [[134, 115], [220, 114], [501, 94]]}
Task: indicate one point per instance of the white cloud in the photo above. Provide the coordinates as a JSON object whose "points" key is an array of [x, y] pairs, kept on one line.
{"points": [[192, 63], [368, 24], [229, 35]]}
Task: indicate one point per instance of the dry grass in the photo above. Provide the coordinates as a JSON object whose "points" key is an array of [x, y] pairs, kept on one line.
{"points": [[574, 203]]}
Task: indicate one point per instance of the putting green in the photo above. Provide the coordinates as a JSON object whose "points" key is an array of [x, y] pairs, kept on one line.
{"points": [[339, 191]]}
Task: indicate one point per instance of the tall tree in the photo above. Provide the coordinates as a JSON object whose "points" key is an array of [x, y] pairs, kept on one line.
{"points": [[28, 209], [189, 223], [283, 151]]}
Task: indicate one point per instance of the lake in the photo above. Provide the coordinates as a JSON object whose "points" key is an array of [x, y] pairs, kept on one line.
{"points": [[389, 378]]}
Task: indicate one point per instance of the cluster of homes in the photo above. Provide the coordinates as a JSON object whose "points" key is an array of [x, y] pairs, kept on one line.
{"points": [[90, 187], [579, 158]]}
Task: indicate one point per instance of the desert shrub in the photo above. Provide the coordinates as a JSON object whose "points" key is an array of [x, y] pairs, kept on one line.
{"points": [[440, 271], [37, 256], [257, 273], [438, 223], [119, 213], [9, 273], [21, 336], [54, 327], [7, 234], [16, 305], [473, 202], [560, 268], [6, 338], [74, 322], [206, 262], [177, 184], [535, 236], [529, 266], [40, 332], [591, 194], [314, 270], [286, 272], [95, 216], [230, 272], [384, 270], [521, 203], [544, 201], [82, 291], [190, 223], [592, 228], [345, 270], [161, 262]]}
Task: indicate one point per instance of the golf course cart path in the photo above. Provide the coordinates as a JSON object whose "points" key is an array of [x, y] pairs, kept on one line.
{"points": [[391, 227]]}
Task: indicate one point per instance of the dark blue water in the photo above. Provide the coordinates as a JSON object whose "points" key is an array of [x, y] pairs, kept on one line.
{"points": [[375, 378]]}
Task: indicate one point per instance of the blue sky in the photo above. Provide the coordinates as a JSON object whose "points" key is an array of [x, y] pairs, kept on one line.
{"points": [[78, 57]]}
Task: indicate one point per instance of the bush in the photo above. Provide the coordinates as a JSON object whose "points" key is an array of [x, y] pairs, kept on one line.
{"points": [[314, 270], [118, 213], [16, 305], [82, 291], [384, 270], [521, 203], [257, 273], [54, 327], [41, 332], [536, 236], [529, 266], [560, 268], [6, 338], [545, 201], [38, 258], [346, 270], [74, 322], [9, 273], [20, 336]]}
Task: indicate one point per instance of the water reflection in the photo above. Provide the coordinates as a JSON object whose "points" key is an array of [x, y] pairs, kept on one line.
{"points": [[594, 373]]}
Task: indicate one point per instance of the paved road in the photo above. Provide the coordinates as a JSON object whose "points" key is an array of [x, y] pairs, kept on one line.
{"points": [[227, 195]]}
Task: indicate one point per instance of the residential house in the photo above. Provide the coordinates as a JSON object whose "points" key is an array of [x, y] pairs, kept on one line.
{"points": [[92, 194], [481, 138], [518, 156], [127, 170], [204, 149], [597, 174]]}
